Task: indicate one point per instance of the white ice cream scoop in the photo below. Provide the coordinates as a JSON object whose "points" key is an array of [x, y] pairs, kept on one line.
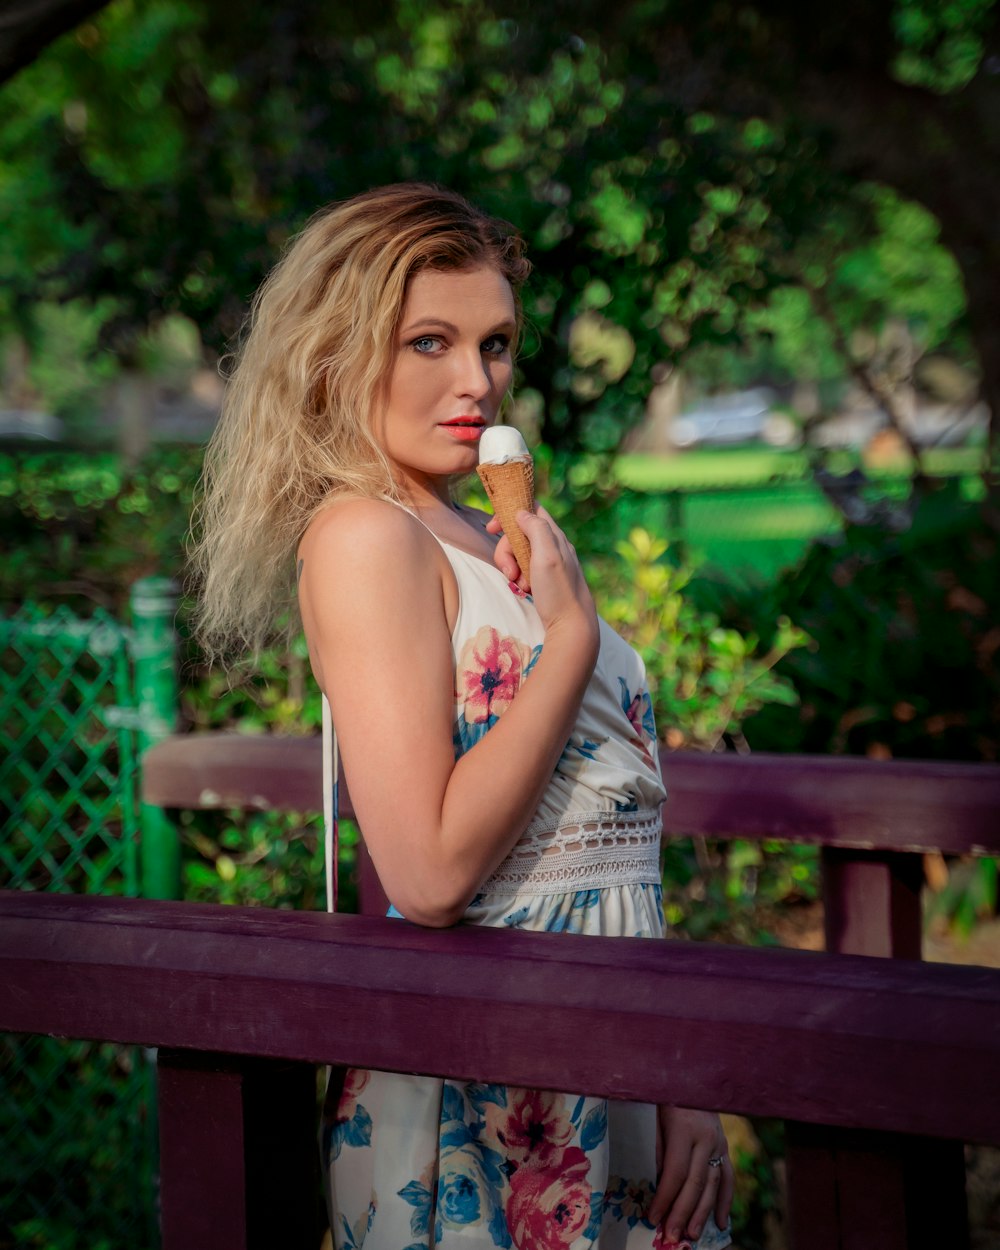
{"points": [[501, 443]]}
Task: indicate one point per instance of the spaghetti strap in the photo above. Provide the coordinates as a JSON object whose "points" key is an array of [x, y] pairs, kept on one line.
{"points": [[410, 512]]}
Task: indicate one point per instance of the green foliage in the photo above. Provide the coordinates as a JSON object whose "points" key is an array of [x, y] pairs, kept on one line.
{"points": [[67, 369], [265, 859], [904, 639], [81, 529], [940, 45], [705, 679], [72, 1115], [968, 896], [732, 891], [840, 294], [153, 162]]}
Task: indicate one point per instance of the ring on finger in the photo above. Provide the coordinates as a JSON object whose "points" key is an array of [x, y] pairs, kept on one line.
{"points": [[715, 1161]]}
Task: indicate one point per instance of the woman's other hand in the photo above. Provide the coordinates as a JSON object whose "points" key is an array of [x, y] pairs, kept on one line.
{"points": [[690, 1187]]}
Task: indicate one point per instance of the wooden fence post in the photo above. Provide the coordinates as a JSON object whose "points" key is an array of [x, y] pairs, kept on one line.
{"points": [[238, 1153], [850, 1188], [871, 902]]}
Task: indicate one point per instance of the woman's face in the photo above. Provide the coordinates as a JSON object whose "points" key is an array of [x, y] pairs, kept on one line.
{"points": [[451, 369]]}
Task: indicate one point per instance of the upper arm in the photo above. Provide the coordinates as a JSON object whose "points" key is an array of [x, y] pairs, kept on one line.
{"points": [[372, 599]]}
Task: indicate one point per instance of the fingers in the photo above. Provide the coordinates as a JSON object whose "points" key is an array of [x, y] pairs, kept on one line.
{"points": [[673, 1151], [704, 1193], [690, 1188], [545, 537], [503, 556], [727, 1186], [680, 1187], [506, 562]]}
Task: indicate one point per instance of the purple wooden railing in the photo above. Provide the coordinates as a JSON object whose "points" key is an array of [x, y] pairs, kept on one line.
{"points": [[880, 1068]]}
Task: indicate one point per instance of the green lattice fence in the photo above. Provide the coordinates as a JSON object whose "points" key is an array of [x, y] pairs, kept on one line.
{"points": [[77, 1133]]}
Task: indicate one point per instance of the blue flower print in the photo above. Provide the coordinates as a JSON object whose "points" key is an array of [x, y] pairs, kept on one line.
{"points": [[480, 1094], [576, 754], [458, 1199], [355, 1237], [533, 659], [419, 1197], [628, 1200], [357, 1131], [568, 911], [463, 1196]]}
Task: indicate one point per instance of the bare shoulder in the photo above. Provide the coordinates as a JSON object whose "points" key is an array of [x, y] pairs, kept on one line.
{"points": [[351, 521], [369, 535]]}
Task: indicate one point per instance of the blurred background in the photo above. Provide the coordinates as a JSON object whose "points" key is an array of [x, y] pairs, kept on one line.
{"points": [[761, 374]]}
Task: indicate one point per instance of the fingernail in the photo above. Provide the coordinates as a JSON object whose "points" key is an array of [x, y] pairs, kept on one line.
{"points": [[696, 1231], [516, 589], [673, 1234]]}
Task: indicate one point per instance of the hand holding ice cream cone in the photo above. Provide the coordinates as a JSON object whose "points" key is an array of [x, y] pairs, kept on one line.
{"points": [[507, 472]]}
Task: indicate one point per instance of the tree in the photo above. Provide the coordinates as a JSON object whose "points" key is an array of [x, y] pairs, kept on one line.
{"points": [[906, 94], [671, 164]]}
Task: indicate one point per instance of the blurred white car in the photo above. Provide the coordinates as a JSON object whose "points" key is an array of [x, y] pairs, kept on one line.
{"points": [[21, 425], [744, 417]]}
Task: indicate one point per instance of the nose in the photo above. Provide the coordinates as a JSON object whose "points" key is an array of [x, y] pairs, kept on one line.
{"points": [[472, 376]]}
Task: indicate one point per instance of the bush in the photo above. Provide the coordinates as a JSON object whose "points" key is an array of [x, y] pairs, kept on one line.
{"points": [[904, 635], [705, 679]]}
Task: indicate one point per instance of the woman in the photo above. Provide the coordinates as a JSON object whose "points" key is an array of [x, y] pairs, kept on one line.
{"points": [[499, 743]]}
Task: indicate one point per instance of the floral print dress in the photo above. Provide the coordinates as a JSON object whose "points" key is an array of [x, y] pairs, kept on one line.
{"points": [[420, 1163]]}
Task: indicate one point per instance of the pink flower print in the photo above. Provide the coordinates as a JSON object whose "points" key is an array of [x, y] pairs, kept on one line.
{"points": [[549, 1207], [532, 1128], [662, 1242], [354, 1082], [489, 674], [639, 711]]}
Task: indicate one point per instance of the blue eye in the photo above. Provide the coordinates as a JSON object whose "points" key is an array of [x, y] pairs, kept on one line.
{"points": [[424, 345], [496, 344]]}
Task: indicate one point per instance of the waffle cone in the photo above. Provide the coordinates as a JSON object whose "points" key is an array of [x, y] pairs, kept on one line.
{"points": [[511, 487]]}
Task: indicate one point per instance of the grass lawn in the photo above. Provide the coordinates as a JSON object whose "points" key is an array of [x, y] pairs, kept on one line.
{"points": [[749, 466], [750, 512]]}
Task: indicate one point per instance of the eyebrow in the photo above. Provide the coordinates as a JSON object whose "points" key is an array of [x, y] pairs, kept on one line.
{"points": [[439, 323]]}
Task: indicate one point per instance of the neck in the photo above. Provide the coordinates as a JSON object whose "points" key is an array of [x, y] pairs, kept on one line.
{"points": [[428, 494]]}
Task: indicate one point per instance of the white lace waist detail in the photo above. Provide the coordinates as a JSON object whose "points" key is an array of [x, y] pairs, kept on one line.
{"points": [[589, 851]]}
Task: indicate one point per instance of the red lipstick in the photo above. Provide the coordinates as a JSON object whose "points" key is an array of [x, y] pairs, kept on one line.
{"points": [[465, 428]]}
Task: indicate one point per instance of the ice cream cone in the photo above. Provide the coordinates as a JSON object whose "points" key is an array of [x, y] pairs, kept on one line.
{"points": [[511, 487]]}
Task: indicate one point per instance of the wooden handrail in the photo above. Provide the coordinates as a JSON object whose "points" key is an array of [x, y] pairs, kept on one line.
{"points": [[837, 801], [832, 1040], [871, 820]]}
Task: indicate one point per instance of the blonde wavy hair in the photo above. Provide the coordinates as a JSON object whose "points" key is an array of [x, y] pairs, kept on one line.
{"points": [[302, 401]]}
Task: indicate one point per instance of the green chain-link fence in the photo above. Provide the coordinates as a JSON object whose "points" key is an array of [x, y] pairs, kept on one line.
{"points": [[79, 699]]}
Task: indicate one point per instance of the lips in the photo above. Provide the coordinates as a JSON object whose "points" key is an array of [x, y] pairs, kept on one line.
{"points": [[465, 429]]}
